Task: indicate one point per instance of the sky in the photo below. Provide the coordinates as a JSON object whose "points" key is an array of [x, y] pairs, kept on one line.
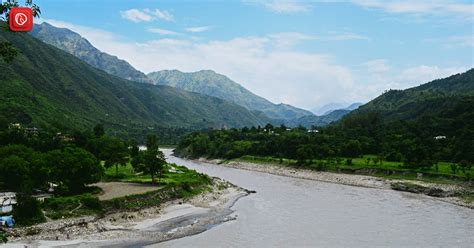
{"points": [[304, 53]]}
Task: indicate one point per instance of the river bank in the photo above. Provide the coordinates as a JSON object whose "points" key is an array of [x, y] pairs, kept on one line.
{"points": [[171, 220], [443, 192]]}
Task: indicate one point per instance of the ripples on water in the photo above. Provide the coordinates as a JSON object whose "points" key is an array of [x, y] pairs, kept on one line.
{"points": [[289, 212]]}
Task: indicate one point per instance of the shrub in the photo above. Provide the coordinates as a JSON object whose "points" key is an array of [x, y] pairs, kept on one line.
{"points": [[28, 211], [349, 161], [91, 202]]}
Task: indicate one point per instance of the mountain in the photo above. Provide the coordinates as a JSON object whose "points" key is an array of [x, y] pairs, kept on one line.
{"points": [[213, 84], [353, 106], [204, 82], [435, 98], [49, 88], [76, 45], [319, 120], [330, 107], [327, 108]]}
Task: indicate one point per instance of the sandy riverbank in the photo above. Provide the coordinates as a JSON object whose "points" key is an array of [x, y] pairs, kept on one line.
{"points": [[171, 220], [341, 178]]}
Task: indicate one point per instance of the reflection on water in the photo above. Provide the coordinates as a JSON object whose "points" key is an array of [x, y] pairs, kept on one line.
{"points": [[289, 212]]}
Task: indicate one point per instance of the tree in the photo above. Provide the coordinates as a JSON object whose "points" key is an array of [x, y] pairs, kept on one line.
{"points": [[99, 130], [14, 173], [352, 149], [134, 149], [27, 210], [151, 141], [8, 52], [150, 162], [303, 153], [114, 152], [73, 168]]}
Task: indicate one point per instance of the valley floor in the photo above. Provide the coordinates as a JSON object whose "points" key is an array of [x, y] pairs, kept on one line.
{"points": [[445, 192]]}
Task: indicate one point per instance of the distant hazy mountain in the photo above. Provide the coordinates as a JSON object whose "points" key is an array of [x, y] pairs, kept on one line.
{"points": [[436, 98], [320, 120], [78, 46], [330, 107], [49, 88], [353, 106], [213, 84]]}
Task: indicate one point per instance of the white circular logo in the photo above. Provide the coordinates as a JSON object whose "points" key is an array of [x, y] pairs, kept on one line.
{"points": [[21, 19]]}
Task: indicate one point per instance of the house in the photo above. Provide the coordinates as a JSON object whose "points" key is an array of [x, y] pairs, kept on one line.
{"points": [[439, 137], [14, 126], [7, 200], [32, 131], [313, 131]]}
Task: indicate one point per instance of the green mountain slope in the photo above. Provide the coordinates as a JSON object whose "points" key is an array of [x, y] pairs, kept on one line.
{"points": [[76, 45], [204, 82], [431, 99], [208, 82], [50, 88]]}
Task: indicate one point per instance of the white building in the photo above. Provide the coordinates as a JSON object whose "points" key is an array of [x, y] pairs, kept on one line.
{"points": [[7, 200]]}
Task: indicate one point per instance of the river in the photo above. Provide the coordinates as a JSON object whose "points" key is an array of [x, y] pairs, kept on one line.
{"points": [[290, 212]]}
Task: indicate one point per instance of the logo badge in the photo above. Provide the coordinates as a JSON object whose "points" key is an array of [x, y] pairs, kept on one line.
{"points": [[21, 19]]}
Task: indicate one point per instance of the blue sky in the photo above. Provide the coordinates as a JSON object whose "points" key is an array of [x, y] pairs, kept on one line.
{"points": [[305, 53]]}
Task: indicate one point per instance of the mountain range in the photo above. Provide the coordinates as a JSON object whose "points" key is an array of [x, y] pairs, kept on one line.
{"points": [[205, 82], [210, 83], [47, 87], [182, 90]]}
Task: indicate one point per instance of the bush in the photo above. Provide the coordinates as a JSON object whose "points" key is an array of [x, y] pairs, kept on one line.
{"points": [[349, 161], [91, 202], [28, 211], [3, 237]]}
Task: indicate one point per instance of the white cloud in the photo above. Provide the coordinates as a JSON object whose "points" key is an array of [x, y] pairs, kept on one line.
{"points": [[146, 15], [163, 14], [349, 36], [198, 29], [136, 15], [419, 7], [377, 66], [282, 6], [162, 31]]}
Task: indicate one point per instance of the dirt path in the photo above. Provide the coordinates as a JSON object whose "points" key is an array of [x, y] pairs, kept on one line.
{"points": [[119, 189]]}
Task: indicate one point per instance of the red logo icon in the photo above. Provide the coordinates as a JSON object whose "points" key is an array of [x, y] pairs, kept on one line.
{"points": [[21, 19]]}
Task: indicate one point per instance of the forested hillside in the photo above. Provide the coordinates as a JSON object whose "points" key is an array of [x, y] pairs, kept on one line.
{"points": [[49, 88]]}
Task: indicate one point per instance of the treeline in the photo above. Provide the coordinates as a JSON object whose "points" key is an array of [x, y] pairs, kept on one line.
{"points": [[34, 161], [415, 144]]}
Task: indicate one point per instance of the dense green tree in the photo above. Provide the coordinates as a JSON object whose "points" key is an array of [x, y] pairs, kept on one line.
{"points": [[113, 152], [74, 168], [14, 173], [99, 130], [351, 149], [150, 162], [27, 210], [152, 141], [303, 154]]}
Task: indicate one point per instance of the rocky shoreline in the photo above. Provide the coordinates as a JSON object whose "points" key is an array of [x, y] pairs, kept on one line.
{"points": [[443, 192], [170, 220]]}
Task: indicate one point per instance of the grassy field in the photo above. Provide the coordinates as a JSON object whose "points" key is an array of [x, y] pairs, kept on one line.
{"points": [[366, 165], [176, 182], [174, 174]]}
